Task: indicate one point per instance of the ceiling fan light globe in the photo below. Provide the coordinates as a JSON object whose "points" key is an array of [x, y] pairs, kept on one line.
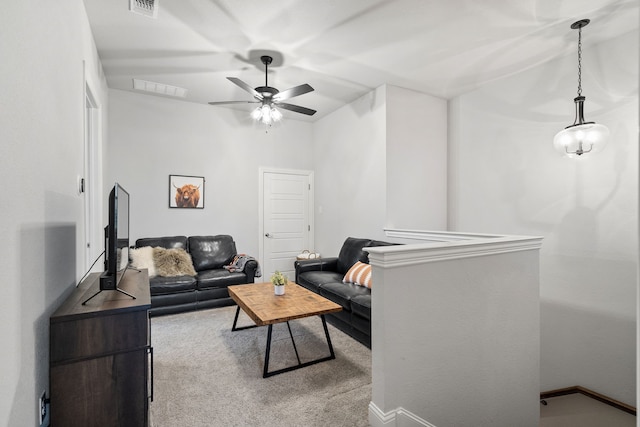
{"points": [[256, 114], [265, 114], [276, 115]]}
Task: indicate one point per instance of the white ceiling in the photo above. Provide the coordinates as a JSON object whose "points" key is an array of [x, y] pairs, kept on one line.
{"points": [[343, 48]]}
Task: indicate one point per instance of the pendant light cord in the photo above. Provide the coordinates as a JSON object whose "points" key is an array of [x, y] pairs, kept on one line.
{"points": [[580, 61]]}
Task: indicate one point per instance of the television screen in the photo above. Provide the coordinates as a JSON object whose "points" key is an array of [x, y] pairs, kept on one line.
{"points": [[116, 238], [116, 242], [122, 228]]}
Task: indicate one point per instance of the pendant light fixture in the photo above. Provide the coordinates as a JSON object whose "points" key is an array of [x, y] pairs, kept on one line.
{"points": [[581, 137]]}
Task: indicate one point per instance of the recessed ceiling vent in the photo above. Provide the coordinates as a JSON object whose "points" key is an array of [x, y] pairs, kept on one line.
{"points": [[159, 88], [144, 7]]}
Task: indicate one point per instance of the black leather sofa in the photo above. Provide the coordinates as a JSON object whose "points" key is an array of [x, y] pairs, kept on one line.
{"points": [[208, 288], [324, 277]]}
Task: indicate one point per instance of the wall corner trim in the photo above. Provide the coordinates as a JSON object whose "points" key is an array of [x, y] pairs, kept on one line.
{"points": [[456, 247], [394, 418]]}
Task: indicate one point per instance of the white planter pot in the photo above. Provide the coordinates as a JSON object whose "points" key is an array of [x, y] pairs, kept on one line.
{"points": [[279, 290]]}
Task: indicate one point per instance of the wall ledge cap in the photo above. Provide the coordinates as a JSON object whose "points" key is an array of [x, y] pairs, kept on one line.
{"points": [[458, 246]]}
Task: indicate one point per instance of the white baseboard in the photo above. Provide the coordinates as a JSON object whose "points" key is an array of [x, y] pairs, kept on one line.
{"points": [[398, 417]]}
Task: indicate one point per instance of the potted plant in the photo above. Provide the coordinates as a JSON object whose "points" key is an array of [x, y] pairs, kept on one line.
{"points": [[279, 280]]}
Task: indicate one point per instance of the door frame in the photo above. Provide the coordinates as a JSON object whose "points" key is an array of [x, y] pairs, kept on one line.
{"points": [[88, 183], [261, 172]]}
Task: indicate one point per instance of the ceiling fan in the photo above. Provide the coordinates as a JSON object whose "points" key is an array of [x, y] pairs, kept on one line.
{"points": [[270, 97]]}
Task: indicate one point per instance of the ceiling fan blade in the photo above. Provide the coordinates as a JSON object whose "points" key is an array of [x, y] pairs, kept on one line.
{"points": [[233, 102], [294, 91], [246, 87], [296, 108]]}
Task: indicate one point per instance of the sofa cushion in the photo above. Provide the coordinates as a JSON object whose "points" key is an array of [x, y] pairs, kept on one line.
{"points": [[168, 285], [360, 274], [220, 278], [342, 293], [211, 252], [361, 306], [351, 252], [142, 258], [312, 280], [164, 242], [172, 262]]}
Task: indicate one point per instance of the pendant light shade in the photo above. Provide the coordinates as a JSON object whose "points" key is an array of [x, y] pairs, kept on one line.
{"points": [[581, 137]]}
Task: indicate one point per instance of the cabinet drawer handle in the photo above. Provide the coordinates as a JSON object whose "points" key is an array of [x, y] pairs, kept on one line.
{"points": [[151, 355]]}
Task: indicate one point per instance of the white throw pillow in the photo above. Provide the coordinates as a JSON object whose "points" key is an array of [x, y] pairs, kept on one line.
{"points": [[143, 258]]}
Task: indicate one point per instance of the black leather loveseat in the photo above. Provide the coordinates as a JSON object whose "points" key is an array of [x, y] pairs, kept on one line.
{"points": [[208, 288], [324, 276]]}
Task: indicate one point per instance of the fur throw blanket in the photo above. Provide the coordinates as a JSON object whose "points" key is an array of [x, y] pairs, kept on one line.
{"points": [[162, 262], [173, 262]]}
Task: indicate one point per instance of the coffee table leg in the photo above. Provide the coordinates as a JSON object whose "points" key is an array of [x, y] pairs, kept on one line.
{"points": [[235, 319], [294, 343], [326, 333], [235, 322], [266, 373]]}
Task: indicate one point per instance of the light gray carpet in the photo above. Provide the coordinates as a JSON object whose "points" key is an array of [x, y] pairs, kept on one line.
{"points": [[206, 375]]}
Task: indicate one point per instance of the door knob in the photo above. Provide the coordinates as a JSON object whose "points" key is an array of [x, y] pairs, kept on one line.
{"points": [[269, 235]]}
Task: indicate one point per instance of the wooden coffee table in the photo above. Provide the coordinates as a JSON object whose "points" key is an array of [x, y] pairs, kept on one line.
{"points": [[265, 309]]}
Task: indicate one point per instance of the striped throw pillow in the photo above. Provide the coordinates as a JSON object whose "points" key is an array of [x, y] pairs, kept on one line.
{"points": [[359, 274]]}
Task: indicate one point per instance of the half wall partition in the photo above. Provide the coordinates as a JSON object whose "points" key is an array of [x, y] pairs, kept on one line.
{"points": [[455, 330]]}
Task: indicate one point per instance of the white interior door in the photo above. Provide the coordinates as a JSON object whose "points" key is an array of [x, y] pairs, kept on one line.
{"points": [[287, 219]]}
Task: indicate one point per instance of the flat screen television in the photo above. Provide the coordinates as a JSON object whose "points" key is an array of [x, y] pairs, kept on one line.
{"points": [[116, 242], [116, 239]]}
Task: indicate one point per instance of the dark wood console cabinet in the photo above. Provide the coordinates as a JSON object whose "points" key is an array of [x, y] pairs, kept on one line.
{"points": [[100, 355]]}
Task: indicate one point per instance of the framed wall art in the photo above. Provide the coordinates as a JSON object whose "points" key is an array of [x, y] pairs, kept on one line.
{"points": [[186, 192]]}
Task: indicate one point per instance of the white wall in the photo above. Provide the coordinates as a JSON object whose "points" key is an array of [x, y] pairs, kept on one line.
{"points": [[41, 154], [151, 138], [349, 157], [380, 161], [505, 177], [416, 158]]}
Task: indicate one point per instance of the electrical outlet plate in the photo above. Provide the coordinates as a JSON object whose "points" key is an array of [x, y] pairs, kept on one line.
{"points": [[42, 406]]}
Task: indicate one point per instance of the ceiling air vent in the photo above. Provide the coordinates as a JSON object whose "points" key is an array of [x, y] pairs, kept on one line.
{"points": [[159, 88], [144, 7]]}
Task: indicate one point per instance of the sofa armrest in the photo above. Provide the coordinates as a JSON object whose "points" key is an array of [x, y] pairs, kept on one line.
{"points": [[247, 264], [250, 269], [318, 264]]}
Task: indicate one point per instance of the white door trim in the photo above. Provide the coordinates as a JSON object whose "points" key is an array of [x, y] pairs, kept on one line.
{"points": [[261, 172], [90, 175]]}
